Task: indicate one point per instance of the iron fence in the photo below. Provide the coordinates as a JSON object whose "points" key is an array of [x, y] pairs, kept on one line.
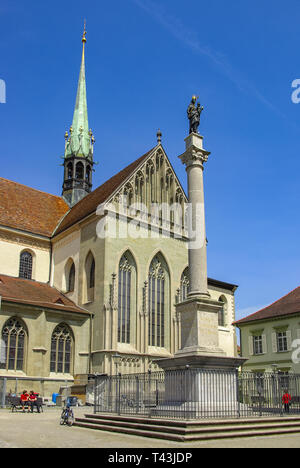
{"points": [[197, 394]]}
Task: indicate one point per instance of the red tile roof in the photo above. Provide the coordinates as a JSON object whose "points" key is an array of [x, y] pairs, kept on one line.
{"points": [[28, 209], [18, 290], [90, 203], [287, 305]]}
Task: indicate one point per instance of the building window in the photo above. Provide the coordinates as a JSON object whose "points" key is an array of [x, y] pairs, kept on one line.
{"points": [[222, 312], [61, 350], [126, 288], [92, 275], [258, 345], [25, 270], [71, 279], [89, 276], [88, 174], [13, 341], [282, 342], [70, 171], [157, 302], [79, 170]]}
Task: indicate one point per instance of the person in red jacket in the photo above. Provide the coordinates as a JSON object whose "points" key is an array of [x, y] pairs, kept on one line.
{"points": [[286, 400], [24, 400], [33, 401]]}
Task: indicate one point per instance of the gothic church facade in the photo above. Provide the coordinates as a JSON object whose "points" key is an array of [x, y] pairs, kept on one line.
{"points": [[72, 295]]}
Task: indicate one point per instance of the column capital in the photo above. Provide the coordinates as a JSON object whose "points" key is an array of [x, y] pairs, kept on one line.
{"points": [[195, 154]]}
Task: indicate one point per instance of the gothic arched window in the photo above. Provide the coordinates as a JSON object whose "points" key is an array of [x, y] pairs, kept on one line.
{"points": [[126, 297], [88, 174], [26, 261], [71, 279], [92, 275], [89, 280], [70, 170], [79, 170], [13, 345], [61, 350], [157, 301]]}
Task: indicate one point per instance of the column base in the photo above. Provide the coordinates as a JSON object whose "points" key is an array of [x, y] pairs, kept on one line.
{"points": [[201, 361]]}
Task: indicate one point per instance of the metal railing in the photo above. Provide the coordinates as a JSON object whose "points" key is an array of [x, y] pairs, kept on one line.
{"points": [[197, 394]]}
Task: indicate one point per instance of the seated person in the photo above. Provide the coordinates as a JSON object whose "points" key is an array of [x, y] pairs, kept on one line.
{"points": [[33, 401], [24, 400]]}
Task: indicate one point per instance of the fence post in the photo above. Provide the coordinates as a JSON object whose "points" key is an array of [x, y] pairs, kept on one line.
{"points": [[95, 394], [119, 395], [238, 393], [3, 393], [137, 394]]}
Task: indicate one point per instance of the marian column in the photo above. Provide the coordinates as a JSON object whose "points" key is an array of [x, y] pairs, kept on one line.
{"points": [[198, 388], [199, 313]]}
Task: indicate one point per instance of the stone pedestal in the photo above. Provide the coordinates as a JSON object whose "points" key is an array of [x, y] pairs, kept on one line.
{"points": [[199, 327]]}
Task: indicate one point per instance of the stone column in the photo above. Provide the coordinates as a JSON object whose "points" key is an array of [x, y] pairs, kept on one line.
{"points": [[198, 313], [194, 158]]}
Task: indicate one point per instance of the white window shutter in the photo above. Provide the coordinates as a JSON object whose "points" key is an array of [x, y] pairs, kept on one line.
{"points": [[274, 342], [251, 350], [264, 344], [289, 340]]}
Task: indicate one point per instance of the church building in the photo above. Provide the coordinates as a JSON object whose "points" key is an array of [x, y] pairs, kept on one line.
{"points": [[96, 273]]}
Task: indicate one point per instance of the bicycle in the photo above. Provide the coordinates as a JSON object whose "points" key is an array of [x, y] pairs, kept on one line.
{"points": [[67, 416]]}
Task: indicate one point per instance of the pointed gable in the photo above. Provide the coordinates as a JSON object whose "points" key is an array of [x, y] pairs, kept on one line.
{"points": [[149, 179], [152, 186]]}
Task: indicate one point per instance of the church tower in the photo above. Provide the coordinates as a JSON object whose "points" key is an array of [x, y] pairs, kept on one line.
{"points": [[79, 147]]}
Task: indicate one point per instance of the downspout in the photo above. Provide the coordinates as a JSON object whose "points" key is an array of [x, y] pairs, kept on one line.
{"points": [[50, 266], [90, 344]]}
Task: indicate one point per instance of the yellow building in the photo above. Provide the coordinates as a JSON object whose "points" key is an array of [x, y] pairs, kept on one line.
{"points": [[94, 273]]}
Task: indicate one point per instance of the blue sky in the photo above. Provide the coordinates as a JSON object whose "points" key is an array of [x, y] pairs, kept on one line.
{"points": [[144, 60]]}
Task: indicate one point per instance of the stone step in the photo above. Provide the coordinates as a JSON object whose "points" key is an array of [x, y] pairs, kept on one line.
{"points": [[194, 429], [188, 437], [205, 431], [137, 432], [185, 424]]}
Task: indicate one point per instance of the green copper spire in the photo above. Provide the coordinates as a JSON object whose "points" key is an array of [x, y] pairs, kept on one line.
{"points": [[81, 139], [79, 145]]}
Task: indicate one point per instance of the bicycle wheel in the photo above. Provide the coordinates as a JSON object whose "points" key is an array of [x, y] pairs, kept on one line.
{"points": [[70, 420], [62, 418]]}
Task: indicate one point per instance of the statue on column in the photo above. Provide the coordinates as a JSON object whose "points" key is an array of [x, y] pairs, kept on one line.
{"points": [[194, 112]]}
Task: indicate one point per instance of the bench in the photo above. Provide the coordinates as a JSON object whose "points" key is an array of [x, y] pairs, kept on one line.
{"points": [[16, 404]]}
